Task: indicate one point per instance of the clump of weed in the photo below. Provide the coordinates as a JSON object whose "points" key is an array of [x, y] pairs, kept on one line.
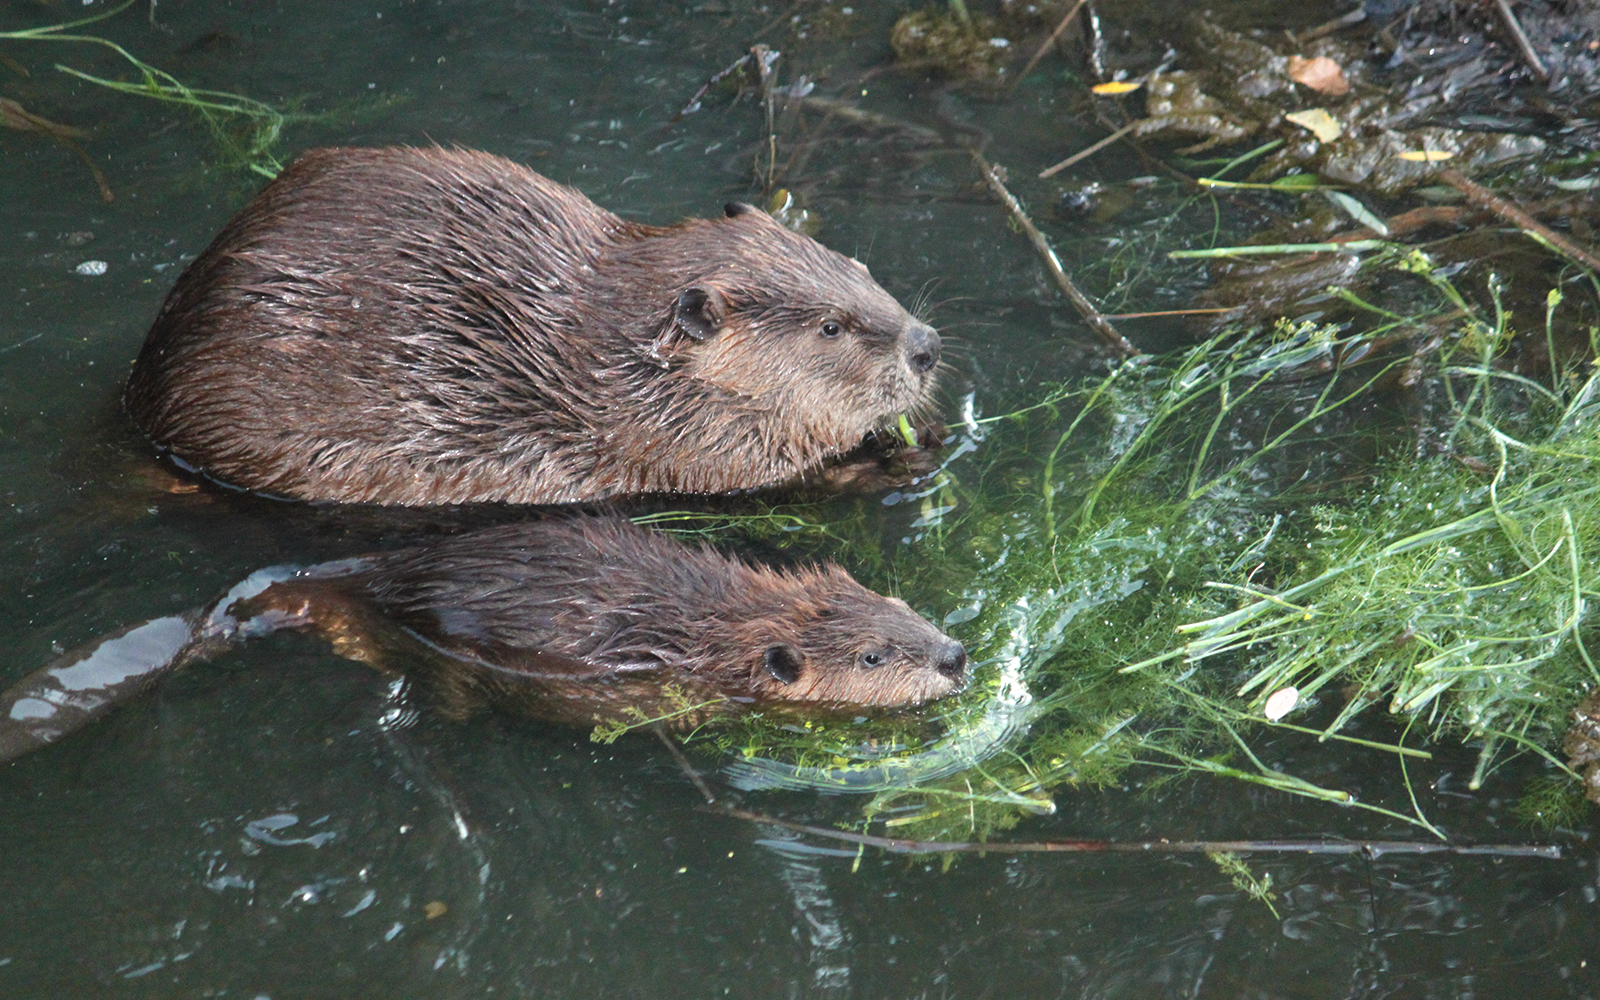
{"points": [[1138, 563]]}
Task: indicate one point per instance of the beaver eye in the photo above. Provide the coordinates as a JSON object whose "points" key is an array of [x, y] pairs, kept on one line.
{"points": [[830, 329], [874, 658]]}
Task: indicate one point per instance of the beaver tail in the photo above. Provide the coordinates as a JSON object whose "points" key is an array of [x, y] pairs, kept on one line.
{"points": [[92, 680]]}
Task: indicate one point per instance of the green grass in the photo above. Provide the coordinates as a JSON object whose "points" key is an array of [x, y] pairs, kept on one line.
{"points": [[247, 133]]}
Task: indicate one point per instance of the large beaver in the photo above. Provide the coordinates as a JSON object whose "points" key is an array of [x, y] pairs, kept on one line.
{"points": [[579, 620], [422, 326]]}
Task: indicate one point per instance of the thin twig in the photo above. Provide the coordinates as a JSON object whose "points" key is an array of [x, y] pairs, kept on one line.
{"points": [[1491, 202], [764, 60], [870, 119], [1082, 153], [1408, 222], [14, 115], [1528, 54], [1153, 163], [831, 110], [1097, 322], [718, 77], [99, 175], [1170, 312], [1034, 61], [683, 762], [1327, 28], [1368, 848], [781, 17]]}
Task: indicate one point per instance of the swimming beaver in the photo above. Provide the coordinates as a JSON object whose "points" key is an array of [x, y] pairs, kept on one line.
{"points": [[426, 326], [580, 620]]}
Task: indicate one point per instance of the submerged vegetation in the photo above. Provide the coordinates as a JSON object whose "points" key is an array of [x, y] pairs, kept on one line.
{"points": [[247, 133], [1139, 583]]}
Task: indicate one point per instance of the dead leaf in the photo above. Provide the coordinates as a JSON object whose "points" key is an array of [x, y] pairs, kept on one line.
{"points": [[1426, 155], [1115, 87], [1321, 124], [14, 115], [1320, 74]]}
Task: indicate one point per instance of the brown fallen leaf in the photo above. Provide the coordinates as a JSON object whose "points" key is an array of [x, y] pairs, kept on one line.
{"points": [[1320, 74], [14, 115]]}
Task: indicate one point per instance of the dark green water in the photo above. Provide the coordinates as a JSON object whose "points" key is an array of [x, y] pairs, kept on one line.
{"points": [[275, 825]]}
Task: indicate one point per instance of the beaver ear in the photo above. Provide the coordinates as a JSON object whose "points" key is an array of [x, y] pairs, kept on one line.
{"points": [[695, 316], [783, 662], [734, 209], [695, 313]]}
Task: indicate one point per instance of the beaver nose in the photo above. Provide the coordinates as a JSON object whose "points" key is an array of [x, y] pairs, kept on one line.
{"points": [[922, 347], [952, 661]]}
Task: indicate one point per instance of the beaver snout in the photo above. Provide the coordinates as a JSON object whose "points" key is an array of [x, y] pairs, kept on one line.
{"points": [[922, 347], [952, 662]]}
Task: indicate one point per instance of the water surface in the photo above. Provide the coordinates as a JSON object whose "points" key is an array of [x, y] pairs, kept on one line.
{"points": [[281, 824]]}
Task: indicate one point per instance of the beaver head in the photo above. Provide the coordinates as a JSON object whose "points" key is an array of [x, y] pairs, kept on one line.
{"points": [[819, 637], [768, 302], [778, 351]]}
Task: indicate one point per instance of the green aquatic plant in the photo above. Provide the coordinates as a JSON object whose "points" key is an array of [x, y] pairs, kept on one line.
{"points": [[1050, 587], [1245, 880], [1456, 588], [1550, 802], [676, 705], [247, 132], [1139, 562]]}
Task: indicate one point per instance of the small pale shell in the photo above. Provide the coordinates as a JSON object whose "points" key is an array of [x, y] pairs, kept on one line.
{"points": [[1280, 703], [91, 268]]}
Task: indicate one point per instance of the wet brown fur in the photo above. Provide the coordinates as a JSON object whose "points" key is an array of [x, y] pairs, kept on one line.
{"points": [[415, 326], [581, 620], [612, 611]]}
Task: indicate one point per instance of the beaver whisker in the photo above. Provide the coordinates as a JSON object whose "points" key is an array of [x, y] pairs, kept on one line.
{"points": [[921, 305]]}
